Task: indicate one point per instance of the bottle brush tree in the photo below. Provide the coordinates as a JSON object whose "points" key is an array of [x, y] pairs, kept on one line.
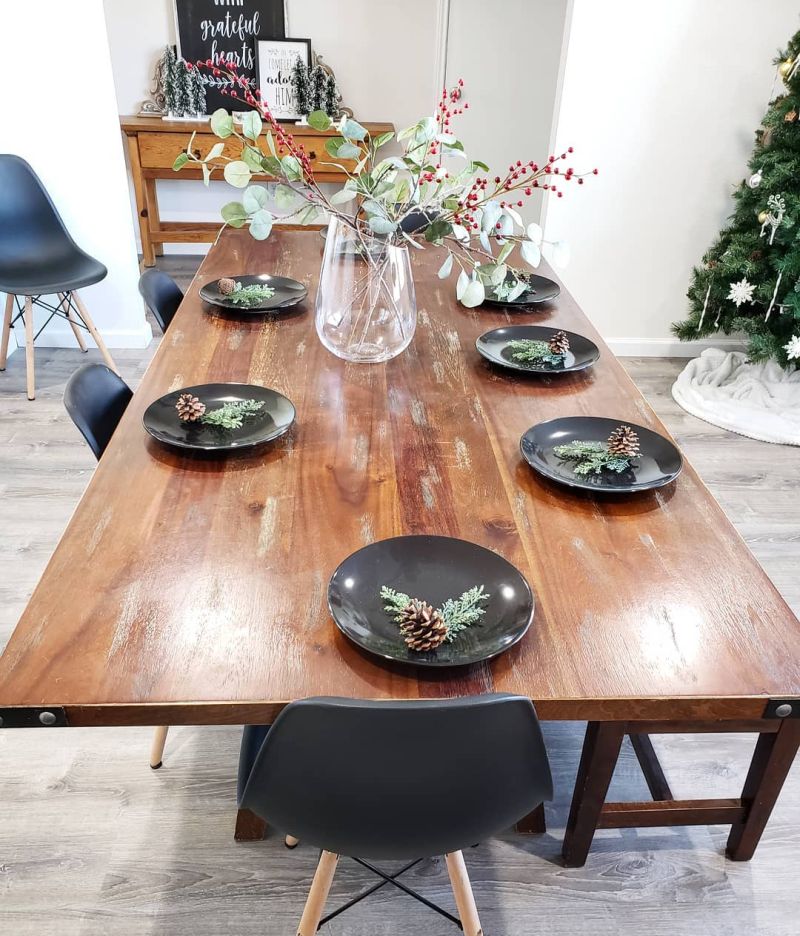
{"points": [[749, 280]]}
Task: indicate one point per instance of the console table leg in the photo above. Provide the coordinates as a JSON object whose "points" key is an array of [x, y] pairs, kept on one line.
{"points": [[153, 216], [772, 760], [149, 257], [601, 749]]}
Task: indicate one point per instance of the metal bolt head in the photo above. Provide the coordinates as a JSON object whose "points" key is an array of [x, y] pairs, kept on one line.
{"points": [[783, 710], [47, 718], [1, 721]]}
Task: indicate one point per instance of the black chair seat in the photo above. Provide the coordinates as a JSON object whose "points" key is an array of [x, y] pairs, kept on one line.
{"points": [[37, 254], [43, 275]]}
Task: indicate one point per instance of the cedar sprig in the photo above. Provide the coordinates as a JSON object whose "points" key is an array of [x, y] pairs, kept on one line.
{"points": [[250, 295], [457, 613], [231, 415], [530, 351], [591, 458]]}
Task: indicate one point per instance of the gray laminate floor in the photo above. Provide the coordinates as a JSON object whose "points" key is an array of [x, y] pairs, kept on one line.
{"points": [[93, 842]]}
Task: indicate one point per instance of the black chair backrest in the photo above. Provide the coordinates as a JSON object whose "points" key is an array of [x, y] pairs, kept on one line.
{"points": [[162, 295], [95, 398], [28, 218], [400, 779]]}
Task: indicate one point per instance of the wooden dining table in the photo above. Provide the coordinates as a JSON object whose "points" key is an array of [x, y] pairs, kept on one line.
{"points": [[192, 590]]}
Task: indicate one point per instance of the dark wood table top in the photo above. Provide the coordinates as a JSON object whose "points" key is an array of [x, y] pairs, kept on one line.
{"points": [[194, 591]]}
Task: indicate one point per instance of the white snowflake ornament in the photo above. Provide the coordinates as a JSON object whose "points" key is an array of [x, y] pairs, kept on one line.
{"points": [[792, 348], [741, 292]]}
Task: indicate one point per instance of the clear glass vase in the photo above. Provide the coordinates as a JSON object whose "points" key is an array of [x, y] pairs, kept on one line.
{"points": [[366, 308]]}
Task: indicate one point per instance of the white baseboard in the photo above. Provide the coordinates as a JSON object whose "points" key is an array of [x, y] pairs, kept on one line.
{"points": [[56, 337], [646, 347]]}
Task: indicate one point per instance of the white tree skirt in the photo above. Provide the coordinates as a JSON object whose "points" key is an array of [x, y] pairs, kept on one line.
{"points": [[761, 401]]}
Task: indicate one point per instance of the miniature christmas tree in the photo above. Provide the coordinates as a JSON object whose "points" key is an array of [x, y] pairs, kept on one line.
{"points": [[169, 79], [198, 93], [332, 97], [301, 87], [750, 278], [183, 90], [319, 81]]}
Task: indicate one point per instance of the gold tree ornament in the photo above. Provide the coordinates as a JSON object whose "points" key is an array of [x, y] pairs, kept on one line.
{"points": [[623, 443], [226, 286], [558, 343], [785, 68], [422, 627], [762, 216], [790, 116], [189, 408]]}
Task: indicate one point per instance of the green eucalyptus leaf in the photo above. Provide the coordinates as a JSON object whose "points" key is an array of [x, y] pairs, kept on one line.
{"points": [[234, 214], [252, 157], [461, 284], [382, 225], [271, 143], [352, 130], [348, 151], [221, 123], [319, 120], [504, 252], [252, 125], [215, 152], [530, 253], [332, 145], [382, 139], [285, 197], [425, 131], [272, 165], [446, 268], [261, 224], [308, 214], [406, 133], [437, 229], [180, 161], [292, 169], [254, 197], [237, 173], [342, 197], [473, 295], [477, 164]]}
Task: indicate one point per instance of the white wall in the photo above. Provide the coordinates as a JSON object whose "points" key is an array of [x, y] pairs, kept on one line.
{"points": [[386, 57], [664, 97], [67, 129]]}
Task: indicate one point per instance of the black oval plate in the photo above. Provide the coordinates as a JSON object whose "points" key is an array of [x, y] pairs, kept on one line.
{"points": [[433, 568], [493, 345], [659, 464], [277, 415], [288, 293], [540, 289]]}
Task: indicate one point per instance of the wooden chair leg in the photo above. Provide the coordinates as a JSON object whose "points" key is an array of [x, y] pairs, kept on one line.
{"points": [[249, 827], [601, 748], [6, 330], [318, 894], [462, 891], [157, 749], [29, 357], [76, 330], [772, 760], [87, 319]]}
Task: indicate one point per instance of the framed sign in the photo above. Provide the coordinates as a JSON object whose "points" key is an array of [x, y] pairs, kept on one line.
{"points": [[223, 30], [275, 59]]}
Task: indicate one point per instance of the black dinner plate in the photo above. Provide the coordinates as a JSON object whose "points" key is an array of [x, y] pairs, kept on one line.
{"points": [[540, 289], [432, 568], [660, 461], [288, 293], [494, 346], [277, 415]]}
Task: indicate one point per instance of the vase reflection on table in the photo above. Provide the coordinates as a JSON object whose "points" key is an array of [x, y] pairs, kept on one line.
{"points": [[366, 309]]}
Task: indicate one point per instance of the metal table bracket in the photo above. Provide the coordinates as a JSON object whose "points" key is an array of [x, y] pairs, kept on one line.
{"points": [[782, 708], [53, 716]]}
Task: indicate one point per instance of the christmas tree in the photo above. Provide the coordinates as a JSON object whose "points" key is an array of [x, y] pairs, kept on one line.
{"points": [[331, 105], [169, 76], [750, 278], [183, 90], [319, 81], [198, 93], [301, 87]]}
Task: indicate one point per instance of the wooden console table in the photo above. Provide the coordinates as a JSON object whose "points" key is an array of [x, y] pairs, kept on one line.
{"points": [[154, 143]]}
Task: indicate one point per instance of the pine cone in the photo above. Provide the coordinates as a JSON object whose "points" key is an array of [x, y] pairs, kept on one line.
{"points": [[558, 343], [189, 407], [226, 285], [422, 627], [623, 442]]}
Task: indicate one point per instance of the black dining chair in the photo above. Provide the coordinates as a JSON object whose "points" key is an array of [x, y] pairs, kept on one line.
{"points": [[161, 294], [38, 257], [96, 398], [403, 780]]}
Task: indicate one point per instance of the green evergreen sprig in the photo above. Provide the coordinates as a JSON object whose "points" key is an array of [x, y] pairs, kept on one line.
{"points": [[530, 351], [231, 415], [251, 295], [591, 458], [457, 613]]}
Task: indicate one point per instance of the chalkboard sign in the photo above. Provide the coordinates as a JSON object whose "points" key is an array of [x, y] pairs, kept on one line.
{"points": [[223, 30]]}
